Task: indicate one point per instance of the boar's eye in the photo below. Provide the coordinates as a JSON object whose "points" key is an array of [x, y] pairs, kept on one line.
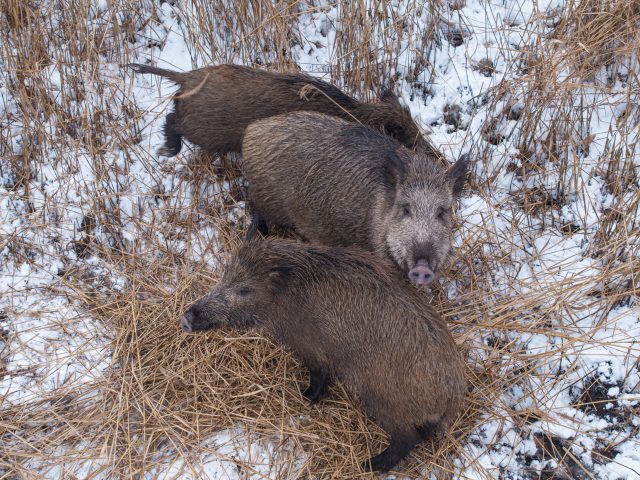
{"points": [[243, 291], [405, 210], [442, 213]]}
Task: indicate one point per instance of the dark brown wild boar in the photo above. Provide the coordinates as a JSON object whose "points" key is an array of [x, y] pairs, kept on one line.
{"points": [[214, 105], [340, 183], [341, 311]]}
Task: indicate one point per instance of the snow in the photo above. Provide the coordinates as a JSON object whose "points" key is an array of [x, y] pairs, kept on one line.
{"points": [[53, 344]]}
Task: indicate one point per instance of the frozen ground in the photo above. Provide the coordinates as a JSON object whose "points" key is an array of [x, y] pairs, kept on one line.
{"points": [[548, 246]]}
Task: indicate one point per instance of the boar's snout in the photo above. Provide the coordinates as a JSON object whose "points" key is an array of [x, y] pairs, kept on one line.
{"points": [[186, 321], [421, 273], [195, 319], [211, 312]]}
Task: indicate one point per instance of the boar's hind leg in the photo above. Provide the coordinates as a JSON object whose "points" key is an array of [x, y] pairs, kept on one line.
{"points": [[258, 224], [318, 385], [399, 447], [172, 139]]}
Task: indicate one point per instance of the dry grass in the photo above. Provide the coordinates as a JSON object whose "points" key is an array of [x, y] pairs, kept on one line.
{"points": [[144, 234]]}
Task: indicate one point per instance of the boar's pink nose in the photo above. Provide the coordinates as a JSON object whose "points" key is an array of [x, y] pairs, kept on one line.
{"points": [[185, 322], [421, 274]]}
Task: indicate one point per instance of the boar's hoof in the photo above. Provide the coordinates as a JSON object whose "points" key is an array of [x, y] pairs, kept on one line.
{"points": [[167, 152], [399, 447], [314, 394], [318, 386], [258, 225], [380, 463]]}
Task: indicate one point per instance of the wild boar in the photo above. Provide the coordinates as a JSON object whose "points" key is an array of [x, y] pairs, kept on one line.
{"points": [[214, 105], [340, 183], [340, 310]]}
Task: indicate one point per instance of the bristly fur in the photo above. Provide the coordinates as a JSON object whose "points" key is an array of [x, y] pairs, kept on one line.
{"points": [[214, 106], [343, 312], [343, 184]]}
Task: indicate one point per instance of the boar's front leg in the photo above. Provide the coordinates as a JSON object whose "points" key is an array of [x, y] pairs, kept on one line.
{"points": [[258, 224], [318, 385]]}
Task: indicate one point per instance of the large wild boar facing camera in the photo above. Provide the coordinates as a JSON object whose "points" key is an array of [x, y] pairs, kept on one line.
{"points": [[339, 183]]}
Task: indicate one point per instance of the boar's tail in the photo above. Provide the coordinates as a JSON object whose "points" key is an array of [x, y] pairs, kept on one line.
{"points": [[176, 77]]}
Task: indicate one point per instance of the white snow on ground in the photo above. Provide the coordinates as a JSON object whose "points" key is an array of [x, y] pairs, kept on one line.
{"points": [[48, 343], [223, 459]]}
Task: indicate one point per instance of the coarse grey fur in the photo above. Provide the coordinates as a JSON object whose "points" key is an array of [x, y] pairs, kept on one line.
{"points": [[340, 183], [344, 314], [214, 105]]}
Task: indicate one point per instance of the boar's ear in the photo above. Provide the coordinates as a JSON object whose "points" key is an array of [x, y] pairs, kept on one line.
{"points": [[458, 174], [394, 170], [393, 129], [389, 97], [279, 277]]}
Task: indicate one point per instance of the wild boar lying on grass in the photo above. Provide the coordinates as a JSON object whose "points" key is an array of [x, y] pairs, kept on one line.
{"points": [[342, 312]]}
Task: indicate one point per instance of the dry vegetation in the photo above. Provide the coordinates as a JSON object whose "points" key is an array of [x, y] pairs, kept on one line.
{"points": [[141, 235]]}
